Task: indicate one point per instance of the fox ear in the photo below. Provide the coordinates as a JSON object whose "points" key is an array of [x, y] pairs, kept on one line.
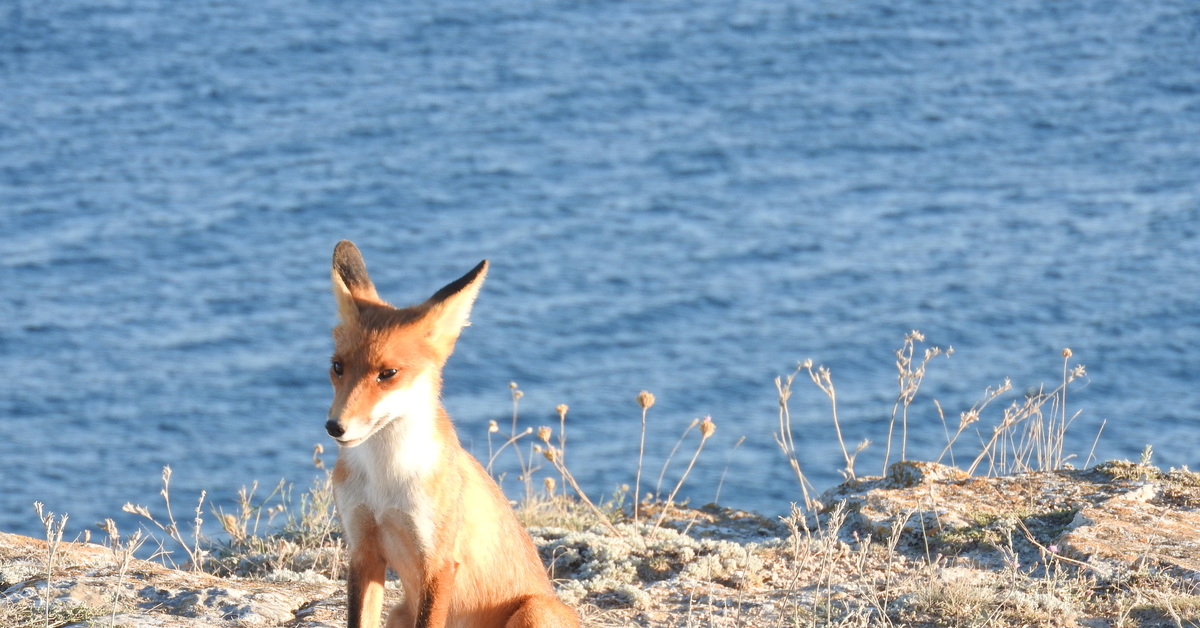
{"points": [[449, 309], [351, 283]]}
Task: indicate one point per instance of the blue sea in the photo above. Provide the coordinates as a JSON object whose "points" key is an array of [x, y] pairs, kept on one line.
{"points": [[686, 197]]}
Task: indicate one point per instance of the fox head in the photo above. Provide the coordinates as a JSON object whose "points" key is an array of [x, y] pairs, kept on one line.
{"points": [[387, 361]]}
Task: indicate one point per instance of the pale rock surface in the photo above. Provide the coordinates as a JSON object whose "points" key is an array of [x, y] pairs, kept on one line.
{"points": [[148, 594], [1117, 515]]}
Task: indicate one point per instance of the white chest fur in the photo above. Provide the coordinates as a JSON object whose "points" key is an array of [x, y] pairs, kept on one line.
{"points": [[387, 471]]}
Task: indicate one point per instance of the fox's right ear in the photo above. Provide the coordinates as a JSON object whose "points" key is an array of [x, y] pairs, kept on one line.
{"points": [[351, 283]]}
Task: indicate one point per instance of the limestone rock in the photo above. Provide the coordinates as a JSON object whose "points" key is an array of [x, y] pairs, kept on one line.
{"points": [[1144, 527], [1114, 516], [147, 594]]}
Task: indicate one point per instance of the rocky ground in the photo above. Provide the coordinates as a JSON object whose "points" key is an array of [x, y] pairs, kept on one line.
{"points": [[1115, 545]]}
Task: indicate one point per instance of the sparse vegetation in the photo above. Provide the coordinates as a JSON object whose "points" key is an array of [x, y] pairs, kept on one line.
{"points": [[29, 616], [640, 558]]}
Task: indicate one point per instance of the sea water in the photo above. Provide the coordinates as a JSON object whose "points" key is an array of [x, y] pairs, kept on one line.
{"points": [[688, 198]]}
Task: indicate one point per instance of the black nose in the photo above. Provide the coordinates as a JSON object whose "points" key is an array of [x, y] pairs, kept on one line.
{"points": [[334, 428]]}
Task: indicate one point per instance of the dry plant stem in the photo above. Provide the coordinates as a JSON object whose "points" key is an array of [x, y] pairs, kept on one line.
{"points": [[875, 595], [491, 454], [663, 472], [830, 549], [637, 480], [800, 544], [903, 361], [316, 513], [516, 397], [1053, 448], [195, 554], [562, 440], [824, 381], [238, 527], [784, 437], [556, 459], [893, 542], [1092, 452], [515, 438], [645, 400], [725, 471], [1045, 551], [971, 416], [171, 528], [909, 380], [945, 429], [528, 472], [706, 430], [526, 469], [123, 553], [54, 534], [1040, 443], [1060, 437]]}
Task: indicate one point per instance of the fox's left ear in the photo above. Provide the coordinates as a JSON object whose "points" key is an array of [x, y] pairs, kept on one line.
{"points": [[449, 309]]}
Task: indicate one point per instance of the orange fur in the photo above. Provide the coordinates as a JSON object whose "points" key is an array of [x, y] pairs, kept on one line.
{"points": [[409, 496]]}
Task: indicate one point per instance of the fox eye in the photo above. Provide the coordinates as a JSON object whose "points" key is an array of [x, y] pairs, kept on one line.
{"points": [[337, 368], [386, 374]]}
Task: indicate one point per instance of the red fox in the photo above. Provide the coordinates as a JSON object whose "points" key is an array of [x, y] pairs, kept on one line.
{"points": [[408, 494]]}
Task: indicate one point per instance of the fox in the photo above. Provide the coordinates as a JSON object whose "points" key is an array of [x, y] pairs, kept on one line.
{"points": [[409, 496]]}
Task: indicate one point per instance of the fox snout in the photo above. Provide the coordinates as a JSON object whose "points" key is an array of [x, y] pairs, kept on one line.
{"points": [[334, 428]]}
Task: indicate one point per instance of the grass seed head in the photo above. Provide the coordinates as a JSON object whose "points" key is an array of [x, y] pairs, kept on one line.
{"points": [[110, 528]]}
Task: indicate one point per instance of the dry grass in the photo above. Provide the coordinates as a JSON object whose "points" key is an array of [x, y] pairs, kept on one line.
{"points": [[1030, 435], [57, 616]]}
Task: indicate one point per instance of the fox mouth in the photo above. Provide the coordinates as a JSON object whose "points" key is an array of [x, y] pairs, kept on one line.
{"points": [[351, 442], [339, 434]]}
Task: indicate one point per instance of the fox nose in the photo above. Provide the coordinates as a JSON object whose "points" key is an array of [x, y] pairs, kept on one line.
{"points": [[334, 428]]}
